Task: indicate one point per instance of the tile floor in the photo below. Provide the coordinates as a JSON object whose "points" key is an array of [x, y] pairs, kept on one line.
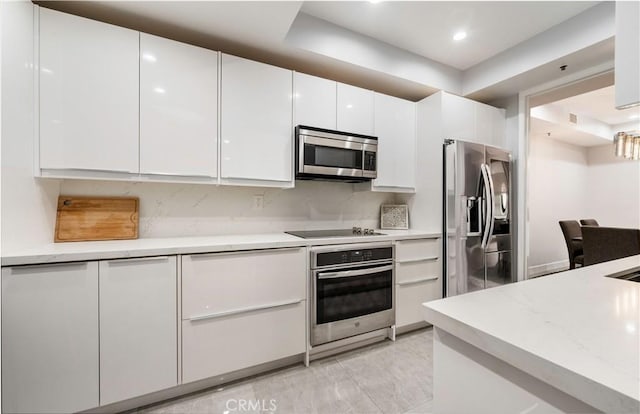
{"points": [[386, 377]]}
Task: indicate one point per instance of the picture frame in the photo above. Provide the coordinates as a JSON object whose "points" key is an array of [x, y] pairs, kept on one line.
{"points": [[394, 217]]}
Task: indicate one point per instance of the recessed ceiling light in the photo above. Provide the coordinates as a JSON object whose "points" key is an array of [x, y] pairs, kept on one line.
{"points": [[375, 1], [459, 35]]}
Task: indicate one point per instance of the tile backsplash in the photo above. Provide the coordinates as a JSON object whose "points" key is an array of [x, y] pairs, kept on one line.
{"points": [[172, 210]]}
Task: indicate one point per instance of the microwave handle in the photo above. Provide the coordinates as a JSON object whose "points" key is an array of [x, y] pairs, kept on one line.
{"points": [[351, 273]]}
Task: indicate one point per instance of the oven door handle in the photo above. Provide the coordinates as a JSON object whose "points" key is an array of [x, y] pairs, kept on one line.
{"points": [[351, 273]]}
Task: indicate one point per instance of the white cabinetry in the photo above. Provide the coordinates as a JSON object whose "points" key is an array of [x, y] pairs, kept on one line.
{"points": [[627, 53], [467, 120], [445, 116], [395, 127], [88, 95], [50, 338], [241, 309], [178, 108], [138, 327], [418, 279], [355, 109], [256, 123], [315, 101]]}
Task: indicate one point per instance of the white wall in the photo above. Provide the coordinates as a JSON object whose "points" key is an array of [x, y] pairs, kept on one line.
{"points": [[568, 182], [613, 188], [558, 178], [28, 205]]}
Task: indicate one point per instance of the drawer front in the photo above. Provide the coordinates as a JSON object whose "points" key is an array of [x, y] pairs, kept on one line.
{"points": [[228, 282], [409, 300], [413, 271], [407, 250], [217, 346]]}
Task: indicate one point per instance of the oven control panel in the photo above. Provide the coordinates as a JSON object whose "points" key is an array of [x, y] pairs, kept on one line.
{"points": [[338, 257]]}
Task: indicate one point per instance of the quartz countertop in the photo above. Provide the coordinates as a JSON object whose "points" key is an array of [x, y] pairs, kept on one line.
{"points": [[116, 249], [578, 331]]}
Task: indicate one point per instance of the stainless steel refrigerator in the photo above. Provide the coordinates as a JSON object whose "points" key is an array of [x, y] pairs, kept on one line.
{"points": [[477, 225]]}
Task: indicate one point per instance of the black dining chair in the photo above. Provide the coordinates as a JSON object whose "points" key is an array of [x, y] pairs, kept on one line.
{"points": [[589, 222], [573, 238], [602, 244]]}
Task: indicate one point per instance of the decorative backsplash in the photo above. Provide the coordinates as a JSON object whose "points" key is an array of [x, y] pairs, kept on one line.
{"points": [[172, 210]]}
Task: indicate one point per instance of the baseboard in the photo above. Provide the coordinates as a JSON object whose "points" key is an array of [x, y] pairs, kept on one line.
{"points": [[543, 269]]}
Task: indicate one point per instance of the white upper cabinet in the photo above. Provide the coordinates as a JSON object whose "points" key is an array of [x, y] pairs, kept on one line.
{"points": [[458, 118], [315, 101], [178, 108], [473, 121], [627, 54], [355, 109], [395, 127], [256, 121], [88, 94]]}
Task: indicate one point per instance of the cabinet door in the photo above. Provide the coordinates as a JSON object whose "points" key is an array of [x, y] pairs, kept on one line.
{"points": [[458, 118], [396, 132], [178, 108], [218, 283], [484, 124], [315, 101], [138, 327], [225, 344], [88, 94], [499, 127], [50, 338], [229, 299], [411, 296], [256, 120], [355, 109]]}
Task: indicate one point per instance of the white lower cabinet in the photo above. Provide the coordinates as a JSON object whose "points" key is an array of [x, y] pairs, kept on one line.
{"points": [[225, 344], [411, 295], [138, 327], [418, 278], [241, 309], [50, 338]]}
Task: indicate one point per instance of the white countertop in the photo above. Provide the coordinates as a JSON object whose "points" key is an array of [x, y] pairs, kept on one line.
{"points": [[578, 331], [115, 249]]}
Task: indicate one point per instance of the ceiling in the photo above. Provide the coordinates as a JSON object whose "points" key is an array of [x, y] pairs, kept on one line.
{"points": [[545, 129], [411, 29], [595, 107], [600, 105], [426, 28]]}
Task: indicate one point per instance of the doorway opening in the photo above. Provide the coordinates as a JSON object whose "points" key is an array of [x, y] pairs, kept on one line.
{"points": [[572, 171]]}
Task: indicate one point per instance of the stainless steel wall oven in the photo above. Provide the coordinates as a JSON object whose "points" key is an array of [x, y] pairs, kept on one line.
{"points": [[352, 290]]}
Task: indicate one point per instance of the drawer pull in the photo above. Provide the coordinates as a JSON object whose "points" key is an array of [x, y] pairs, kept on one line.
{"points": [[196, 256], [138, 259], [245, 310], [424, 259], [415, 281], [29, 267], [177, 175]]}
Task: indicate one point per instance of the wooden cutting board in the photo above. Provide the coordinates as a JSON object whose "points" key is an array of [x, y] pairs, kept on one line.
{"points": [[96, 218]]}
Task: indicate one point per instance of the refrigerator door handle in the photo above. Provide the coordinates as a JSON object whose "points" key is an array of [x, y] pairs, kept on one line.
{"points": [[488, 198]]}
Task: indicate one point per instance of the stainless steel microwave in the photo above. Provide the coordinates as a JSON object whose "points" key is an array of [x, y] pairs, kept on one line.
{"points": [[323, 154]]}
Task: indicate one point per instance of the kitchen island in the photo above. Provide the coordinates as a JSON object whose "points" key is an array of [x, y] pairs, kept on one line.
{"points": [[568, 342]]}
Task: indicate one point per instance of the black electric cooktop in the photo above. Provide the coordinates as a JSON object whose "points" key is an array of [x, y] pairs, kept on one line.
{"points": [[321, 234]]}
